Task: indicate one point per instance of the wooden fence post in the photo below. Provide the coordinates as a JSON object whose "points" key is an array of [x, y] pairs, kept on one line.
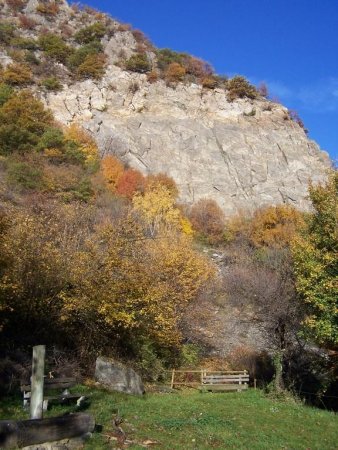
{"points": [[172, 379], [37, 381]]}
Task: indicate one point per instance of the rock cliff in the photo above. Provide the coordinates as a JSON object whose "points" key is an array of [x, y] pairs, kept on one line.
{"points": [[244, 154]]}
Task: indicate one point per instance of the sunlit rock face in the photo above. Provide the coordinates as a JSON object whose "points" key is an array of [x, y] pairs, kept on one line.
{"points": [[244, 154]]}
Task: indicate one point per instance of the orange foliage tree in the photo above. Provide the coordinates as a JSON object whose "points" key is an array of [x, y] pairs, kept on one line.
{"points": [[130, 182], [112, 170]]}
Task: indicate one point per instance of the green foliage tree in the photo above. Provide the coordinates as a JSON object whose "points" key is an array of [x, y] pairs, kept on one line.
{"points": [[23, 120], [315, 253]]}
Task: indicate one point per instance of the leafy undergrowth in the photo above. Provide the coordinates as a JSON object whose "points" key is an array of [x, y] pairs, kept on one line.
{"points": [[192, 420]]}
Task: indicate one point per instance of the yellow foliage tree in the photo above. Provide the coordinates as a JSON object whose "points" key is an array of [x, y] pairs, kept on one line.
{"points": [[275, 226], [157, 208], [86, 143]]}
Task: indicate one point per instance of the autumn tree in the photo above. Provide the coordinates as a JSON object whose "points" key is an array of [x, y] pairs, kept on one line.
{"points": [[207, 219], [275, 226], [163, 180], [315, 253], [112, 169], [130, 182], [157, 209]]}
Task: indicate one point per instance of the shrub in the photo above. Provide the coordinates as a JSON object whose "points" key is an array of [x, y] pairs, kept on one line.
{"points": [[165, 56], [6, 93], [197, 67], [26, 22], [91, 33], [207, 219], [31, 58], [17, 74], [16, 5], [294, 116], [54, 47], [239, 87], [24, 43], [24, 175], [175, 72], [152, 76], [92, 67], [51, 84], [51, 138], [78, 57], [138, 63], [209, 82], [50, 8], [7, 32], [263, 90]]}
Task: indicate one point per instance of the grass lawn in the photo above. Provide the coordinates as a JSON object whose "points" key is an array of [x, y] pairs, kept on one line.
{"points": [[192, 420]]}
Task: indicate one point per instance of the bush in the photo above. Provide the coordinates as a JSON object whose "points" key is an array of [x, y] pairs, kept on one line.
{"points": [[7, 32], [51, 84], [165, 56], [239, 87], [92, 67], [24, 175], [197, 67], [50, 9], [6, 93], [17, 74], [54, 47], [175, 72], [78, 57], [208, 220], [16, 5], [24, 43], [30, 58], [138, 63], [209, 82], [26, 22], [91, 33]]}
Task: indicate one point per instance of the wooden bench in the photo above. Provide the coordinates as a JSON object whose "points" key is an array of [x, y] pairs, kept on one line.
{"points": [[53, 384], [224, 381]]}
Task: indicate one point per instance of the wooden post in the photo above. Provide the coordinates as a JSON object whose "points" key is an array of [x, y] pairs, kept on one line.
{"points": [[37, 381], [172, 379], [255, 383]]}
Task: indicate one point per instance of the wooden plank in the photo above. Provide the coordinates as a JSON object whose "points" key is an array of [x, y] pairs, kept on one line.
{"points": [[224, 387], [17, 434], [226, 377], [53, 383], [225, 372]]}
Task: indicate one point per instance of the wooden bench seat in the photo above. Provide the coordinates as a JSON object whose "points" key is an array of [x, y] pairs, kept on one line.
{"points": [[53, 384], [224, 381]]}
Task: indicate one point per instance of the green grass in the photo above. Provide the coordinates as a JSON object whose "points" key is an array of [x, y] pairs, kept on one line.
{"points": [[191, 420]]}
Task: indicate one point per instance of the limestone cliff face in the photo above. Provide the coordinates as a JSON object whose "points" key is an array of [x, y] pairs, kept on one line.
{"points": [[244, 154]]}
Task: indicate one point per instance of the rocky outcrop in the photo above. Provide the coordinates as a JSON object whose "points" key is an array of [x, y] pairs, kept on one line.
{"points": [[116, 377], [244, 154]]}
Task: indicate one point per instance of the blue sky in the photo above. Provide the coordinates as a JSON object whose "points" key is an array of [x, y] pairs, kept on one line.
{"points": [[292, 45]]}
